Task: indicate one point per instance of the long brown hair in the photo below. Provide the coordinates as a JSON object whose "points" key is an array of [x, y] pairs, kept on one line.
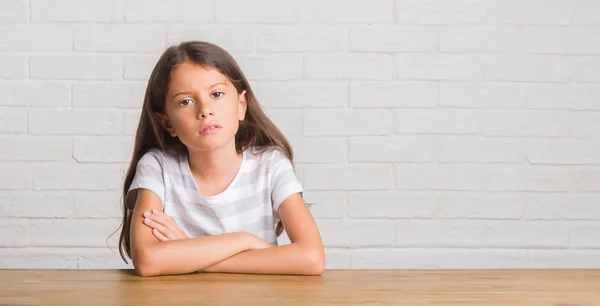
{"points": [[256, 130]]}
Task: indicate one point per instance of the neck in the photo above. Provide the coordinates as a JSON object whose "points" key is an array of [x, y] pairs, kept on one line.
{"points": [[212, 165]]}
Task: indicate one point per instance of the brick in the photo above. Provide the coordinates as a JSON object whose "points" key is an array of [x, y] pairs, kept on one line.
{"points": [[564, 151], [439, 176], [525, 123], [585, 235], [255, 11], [438, 121], [13, 66], [345, 11], [120, 38], [393, 94], [102, 259], [351, 66], [301, 39], [356, 232], [75, 11], [16, 176], [584, 124], [84, 67], [36, 205], [15, 233], [139, 67], [440, 12], [584, 178], [444, 258], [380, 38], [518, 39], [538, 68], [553, 206], [131, 120], [103, 149], [587, 12], [468, 205], [346, 177], [319, 149], [37, 258], [81, 233], [75, 122], [565, 259], [34, 37], [13, 11], [481, 233], [587, 69], [485, 259], [326, 204], [481, 95], [40, 93], [390, 258], [481, 149], [526, 178], [122, 95], [27, 148], [233, 39], [172, 11], [530, 12], [288, 121], [393, 149], [97, 204], [302, 94], [13, 120], [390, 204], [60, 176], [336, 259], [344, 122], [438, 67], [574, 97], [281, 68]]}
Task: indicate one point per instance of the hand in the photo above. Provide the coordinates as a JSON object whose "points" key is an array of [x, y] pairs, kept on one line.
{"points": [[258, 243], [163, 226]]}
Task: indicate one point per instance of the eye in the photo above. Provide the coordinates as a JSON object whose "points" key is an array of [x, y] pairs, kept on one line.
{"points": [[218, 92], [183, 102]]}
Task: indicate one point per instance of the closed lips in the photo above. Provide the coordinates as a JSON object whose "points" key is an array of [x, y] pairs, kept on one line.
{"points": [[209, 127]]}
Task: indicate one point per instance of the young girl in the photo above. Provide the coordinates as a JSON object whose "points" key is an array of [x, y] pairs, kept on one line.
{"points": [[211, 184]]}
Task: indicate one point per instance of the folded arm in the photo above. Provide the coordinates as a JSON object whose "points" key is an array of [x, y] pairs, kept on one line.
{"points": [[304, 256], [153, 257]]}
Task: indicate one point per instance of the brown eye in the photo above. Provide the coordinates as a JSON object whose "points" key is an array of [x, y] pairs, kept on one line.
{"points": [[218, 92], [183, 102]]}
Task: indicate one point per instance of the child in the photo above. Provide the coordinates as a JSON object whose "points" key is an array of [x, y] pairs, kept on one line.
{"points": [[211, 183]]}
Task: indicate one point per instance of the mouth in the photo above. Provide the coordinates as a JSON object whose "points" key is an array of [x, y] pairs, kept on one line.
{"points": [[209, 128]]}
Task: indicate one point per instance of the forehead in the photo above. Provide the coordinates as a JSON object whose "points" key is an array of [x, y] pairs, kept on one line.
{"points": [[189, 75]]}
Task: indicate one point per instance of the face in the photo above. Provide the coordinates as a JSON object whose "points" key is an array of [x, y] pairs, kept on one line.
{"points": [[199, 98]]}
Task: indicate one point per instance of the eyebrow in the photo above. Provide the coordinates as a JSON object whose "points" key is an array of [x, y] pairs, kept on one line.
{"points": [[185, 92]]}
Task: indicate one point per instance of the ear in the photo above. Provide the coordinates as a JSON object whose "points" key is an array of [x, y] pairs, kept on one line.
{"points": [[164, 122], [242, 106]]}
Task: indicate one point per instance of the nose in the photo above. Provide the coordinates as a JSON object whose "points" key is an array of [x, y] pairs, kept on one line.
{"points": [[204, 110]]}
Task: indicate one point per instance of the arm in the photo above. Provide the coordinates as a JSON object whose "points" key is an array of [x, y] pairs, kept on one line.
{"points": [[153, 257], [304, 256]]}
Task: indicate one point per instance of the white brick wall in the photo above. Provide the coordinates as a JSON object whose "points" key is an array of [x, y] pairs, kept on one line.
{"points": [[428, 133]]}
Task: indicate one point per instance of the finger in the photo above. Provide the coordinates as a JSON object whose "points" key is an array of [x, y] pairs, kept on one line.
{"points": [[161, 218], [161, 228], [159, 235]]}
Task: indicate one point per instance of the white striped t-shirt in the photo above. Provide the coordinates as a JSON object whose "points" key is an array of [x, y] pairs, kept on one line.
{"points": [[250, 203]]}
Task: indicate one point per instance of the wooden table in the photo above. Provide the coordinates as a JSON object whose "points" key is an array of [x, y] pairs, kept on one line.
{"points": [[335, 287]]}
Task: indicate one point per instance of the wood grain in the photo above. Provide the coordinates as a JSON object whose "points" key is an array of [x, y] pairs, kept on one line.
{"points": [[335, 287]]}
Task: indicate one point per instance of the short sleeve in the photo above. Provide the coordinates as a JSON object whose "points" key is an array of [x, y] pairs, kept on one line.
{"points": [[148, 175], [284, 182]]}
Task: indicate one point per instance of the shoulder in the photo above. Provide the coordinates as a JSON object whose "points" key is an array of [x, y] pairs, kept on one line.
{"points": [[156, 157], [152, 158], [266, 156]]}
